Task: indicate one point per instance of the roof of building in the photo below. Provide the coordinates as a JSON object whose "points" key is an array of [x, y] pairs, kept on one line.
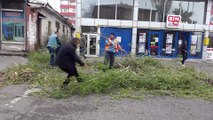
{"points": [[36, 4]]}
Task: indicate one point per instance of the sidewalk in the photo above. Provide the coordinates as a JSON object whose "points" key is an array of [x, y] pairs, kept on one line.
{"points": [[8, 61]]}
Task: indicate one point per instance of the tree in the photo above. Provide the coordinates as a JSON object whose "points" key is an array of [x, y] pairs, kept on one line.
{"points": [[162, 6], [90, 11], [185, 14]]}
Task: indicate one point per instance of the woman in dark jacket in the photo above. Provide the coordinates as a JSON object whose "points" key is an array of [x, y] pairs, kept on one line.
{"points": [[184, 52], [66, 60]]}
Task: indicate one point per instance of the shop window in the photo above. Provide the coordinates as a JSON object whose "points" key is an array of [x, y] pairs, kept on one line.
{"points": [[124, 9], [88, 29], [8, 4], [187, 12], [107, 9], [13, 26], [64, 10], [175, 8], [89, 8], [161, 7], [192, 11], [199, 11]]}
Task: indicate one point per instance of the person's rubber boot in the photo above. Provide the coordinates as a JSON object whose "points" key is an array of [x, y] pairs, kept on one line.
{"points": [[85, 57], [64, 86]]}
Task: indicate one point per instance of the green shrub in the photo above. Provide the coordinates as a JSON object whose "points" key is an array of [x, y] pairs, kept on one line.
{"points": [[142, 75]]}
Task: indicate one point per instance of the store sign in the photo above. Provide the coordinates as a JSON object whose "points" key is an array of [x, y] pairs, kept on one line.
{"points": [[209, 55], [173, 21]]}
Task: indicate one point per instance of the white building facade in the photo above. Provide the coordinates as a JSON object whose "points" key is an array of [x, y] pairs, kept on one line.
{"points": [[147, 27]]}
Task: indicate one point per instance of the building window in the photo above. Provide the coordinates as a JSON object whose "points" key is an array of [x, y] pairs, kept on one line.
{"points": [[145, 9], [63, 28], [49, 27], [199, 11], [13, 5], [124, 9], [89, 8], [73, 3], [192, 11], [64, 2], [107, 9], [64, 10], [57, 25]]}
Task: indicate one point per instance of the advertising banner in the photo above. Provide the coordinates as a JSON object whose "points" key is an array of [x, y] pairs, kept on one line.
{"points": [[142, 43], [209, 55], [13, 26], [169, 41]]}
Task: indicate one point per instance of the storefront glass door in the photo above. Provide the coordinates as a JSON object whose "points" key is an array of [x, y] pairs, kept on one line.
{"points": [[92, 44], [153, 43], [195, 45]]}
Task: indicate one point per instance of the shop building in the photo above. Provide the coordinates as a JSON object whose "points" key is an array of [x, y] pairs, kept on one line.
{"points": [[147, 27], [25, 26]]}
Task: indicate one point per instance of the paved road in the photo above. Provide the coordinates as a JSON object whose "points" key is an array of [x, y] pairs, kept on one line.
{"points": [[7, 61], [16, 106]]}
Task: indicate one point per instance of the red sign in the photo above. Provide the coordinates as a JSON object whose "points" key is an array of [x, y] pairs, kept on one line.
{"points": [[173, 21]]}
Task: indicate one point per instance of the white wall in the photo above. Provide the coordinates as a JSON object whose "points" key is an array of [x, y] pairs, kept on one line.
{"points": [[52, 19]]}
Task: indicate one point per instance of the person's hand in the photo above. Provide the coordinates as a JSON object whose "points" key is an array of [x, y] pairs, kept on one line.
{"points": [[123, 50]]}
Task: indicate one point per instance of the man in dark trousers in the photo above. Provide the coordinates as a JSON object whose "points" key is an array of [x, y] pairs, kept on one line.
{"points": [[112, 47], [66, 60], [184, 52]]}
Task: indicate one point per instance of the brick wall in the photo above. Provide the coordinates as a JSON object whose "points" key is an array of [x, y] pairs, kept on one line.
{"points": [[33, 38]]}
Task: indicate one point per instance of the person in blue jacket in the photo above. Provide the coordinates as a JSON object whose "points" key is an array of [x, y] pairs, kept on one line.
{"points": [[52, 45]]}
